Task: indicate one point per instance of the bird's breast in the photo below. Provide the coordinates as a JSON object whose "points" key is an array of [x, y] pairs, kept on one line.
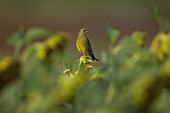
{"points": [[82, 44]]}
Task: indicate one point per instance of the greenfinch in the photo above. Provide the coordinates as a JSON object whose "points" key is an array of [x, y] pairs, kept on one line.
{"points": [[83, 44]]}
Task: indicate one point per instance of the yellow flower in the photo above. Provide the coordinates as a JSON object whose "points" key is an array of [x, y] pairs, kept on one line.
{"points": [[166, 68], [5, 63], [53, 40], [141, 91], [84, 66], [85, 60], [138, 37], [56, 40], [160, 45], [41, 50]]}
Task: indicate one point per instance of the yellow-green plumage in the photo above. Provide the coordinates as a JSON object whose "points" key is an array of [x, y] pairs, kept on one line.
{"points": [[83, 44]]}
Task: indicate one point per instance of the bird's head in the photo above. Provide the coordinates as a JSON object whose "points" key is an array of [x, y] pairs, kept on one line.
{"points": [[83, 32]]}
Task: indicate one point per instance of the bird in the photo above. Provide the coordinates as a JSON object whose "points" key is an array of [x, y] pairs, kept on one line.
{"points": [[83, 44]]}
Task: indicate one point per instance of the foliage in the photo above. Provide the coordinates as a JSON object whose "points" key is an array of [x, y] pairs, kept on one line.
{"points": [[42, 78]]}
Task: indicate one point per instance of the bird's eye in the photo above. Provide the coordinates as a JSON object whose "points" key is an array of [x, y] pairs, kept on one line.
{"points": [[84, 30]]}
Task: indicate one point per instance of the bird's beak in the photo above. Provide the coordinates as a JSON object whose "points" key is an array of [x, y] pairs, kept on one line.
{"points": [[86, 32]]}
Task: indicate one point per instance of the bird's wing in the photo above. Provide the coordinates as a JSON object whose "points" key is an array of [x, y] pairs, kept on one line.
{"points": [[89, 46]]}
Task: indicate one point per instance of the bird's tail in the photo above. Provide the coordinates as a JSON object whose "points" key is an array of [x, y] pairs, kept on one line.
{"points": [[93, 57]]}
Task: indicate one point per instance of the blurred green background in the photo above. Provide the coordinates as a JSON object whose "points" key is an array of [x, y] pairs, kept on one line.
{"points": [[71, 15]]}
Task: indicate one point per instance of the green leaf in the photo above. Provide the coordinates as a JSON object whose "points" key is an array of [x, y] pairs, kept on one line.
{"points": [[155, 11], [104, 57], [35, 33], [74, 66], [113, 34], [163, 22], [16, 39]]}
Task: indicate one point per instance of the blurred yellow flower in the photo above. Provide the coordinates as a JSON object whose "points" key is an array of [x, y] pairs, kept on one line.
{"points": [[53, 40], [138, 37], [57, 40], [41, 50], [45, 48], [142, 90], [5, 63], [85, 60], [66, 88], [160, 45], [166, 68]]}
